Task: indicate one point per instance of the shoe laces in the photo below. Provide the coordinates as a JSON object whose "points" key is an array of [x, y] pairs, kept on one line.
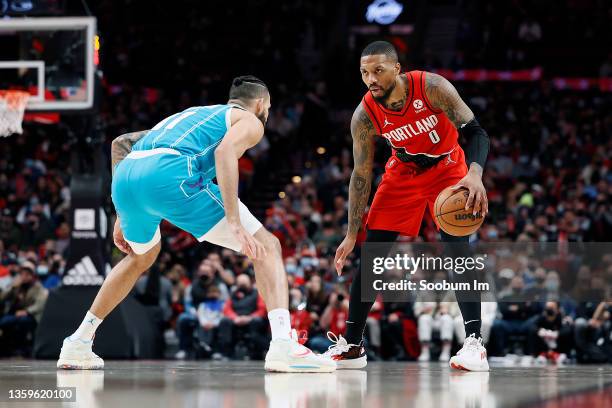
{"points": [[339, 345], [472, 344]]}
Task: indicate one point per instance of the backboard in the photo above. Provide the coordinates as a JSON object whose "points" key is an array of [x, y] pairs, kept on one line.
{"points": [[53, 58]]}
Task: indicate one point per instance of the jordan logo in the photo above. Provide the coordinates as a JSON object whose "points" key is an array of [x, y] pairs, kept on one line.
{"points": [[386, 123], [91, 321], [449, 160]]}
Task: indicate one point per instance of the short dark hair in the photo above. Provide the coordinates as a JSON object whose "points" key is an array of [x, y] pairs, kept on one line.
{"points": [[380, 48], [247, 88]]}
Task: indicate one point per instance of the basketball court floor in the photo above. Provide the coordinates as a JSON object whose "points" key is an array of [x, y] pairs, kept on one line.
{"points": [[150, 384]]}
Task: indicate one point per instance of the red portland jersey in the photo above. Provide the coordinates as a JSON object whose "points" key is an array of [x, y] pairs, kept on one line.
{"points": [[418, 129]]}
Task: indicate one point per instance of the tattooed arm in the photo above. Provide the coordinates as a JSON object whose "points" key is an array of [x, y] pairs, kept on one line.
{"points": [[363, 134], [443, 95], [122, 146], [360, 185]]}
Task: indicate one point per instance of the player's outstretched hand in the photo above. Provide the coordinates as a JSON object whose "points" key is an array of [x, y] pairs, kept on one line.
{"points": [[478, 194], [120, 242], [344, 250], [249, 245]]}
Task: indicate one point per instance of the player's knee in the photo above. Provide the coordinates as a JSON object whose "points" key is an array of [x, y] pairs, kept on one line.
{"points": [[271, 243], [145, 261]]}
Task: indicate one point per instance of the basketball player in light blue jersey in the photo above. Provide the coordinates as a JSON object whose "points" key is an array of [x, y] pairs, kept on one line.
{"points": [[166, 173]]}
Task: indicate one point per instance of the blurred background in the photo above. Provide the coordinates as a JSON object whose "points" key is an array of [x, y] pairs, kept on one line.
{"points": [[537, 74]]}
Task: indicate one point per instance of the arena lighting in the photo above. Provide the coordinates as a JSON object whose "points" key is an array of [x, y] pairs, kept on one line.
{"points": [[281, 194], [384, 12], [96, 50], [296, 179], [321, 150]]}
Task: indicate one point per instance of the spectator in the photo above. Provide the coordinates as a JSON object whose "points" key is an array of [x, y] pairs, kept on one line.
{"points": [[435, 316], [549, 339], [210, 311], [517, 316], [22, 307], [195, 294], [592, 335], [243, 315]]}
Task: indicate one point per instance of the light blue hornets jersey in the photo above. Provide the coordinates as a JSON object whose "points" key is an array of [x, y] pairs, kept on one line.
{"points": [[194, 132]]}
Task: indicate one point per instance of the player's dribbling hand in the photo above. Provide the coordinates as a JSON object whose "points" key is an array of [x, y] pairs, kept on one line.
{"points": [[344, 250], [478, 195], [249, 245], [120, 242]]}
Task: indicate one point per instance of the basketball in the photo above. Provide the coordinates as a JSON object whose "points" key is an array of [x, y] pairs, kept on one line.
{"points": [[451, 214]]}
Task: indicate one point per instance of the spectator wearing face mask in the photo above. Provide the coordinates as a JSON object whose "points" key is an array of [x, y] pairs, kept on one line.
{"points": [[210, 312], [537, 291], [517, 316], [243, 315], [550, 337], [554, 292], [22, 306], [195, 294]]}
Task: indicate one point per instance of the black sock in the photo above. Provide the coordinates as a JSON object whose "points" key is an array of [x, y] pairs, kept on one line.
{"points": [[471, 318], [469, 300], [359, 310]]}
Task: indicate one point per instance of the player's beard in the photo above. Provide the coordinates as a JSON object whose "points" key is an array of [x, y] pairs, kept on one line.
{"points": [[262, 118], [386, 93]]}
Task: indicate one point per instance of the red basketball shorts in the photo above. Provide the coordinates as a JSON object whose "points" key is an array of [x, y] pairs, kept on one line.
{"points": [[404, 192]]}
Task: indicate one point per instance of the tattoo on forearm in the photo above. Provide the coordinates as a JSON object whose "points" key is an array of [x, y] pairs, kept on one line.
{"points": [[443, 95], [122, 146], [360, 185]]}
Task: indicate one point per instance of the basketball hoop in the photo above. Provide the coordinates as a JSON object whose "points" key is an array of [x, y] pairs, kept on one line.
{"points": [[12, 106]]}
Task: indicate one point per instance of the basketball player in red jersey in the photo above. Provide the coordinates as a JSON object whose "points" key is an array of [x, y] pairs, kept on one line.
{"points": [[419, 114]]}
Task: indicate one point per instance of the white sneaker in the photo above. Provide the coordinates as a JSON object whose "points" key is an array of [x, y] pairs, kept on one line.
{"points": [[471, 357], [424, 356], [180, 355], [347, 356], [444, 355], [289, 356], [77, 355], [526, 361]]}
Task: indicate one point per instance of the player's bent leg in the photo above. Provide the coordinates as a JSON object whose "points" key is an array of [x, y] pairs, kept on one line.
{"points": [[349, 352], [285, 354], [76, 352]]}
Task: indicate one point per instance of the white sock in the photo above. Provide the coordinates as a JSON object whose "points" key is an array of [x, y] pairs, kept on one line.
{"points": [[87, 329], [280, 323]]}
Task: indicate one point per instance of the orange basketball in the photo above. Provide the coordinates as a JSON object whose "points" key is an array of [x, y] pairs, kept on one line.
{"points": [[451, 215]]}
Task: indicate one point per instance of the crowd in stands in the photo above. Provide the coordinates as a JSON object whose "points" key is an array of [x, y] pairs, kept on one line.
{"points": [[548, 179]]}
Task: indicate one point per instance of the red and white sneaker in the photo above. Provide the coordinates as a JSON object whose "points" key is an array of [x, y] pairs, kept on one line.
{"points": [[290, 356], [347, 356], [471, 357]]}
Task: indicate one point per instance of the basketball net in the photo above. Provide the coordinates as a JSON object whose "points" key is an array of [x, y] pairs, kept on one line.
{"points": [[12, 106]]}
